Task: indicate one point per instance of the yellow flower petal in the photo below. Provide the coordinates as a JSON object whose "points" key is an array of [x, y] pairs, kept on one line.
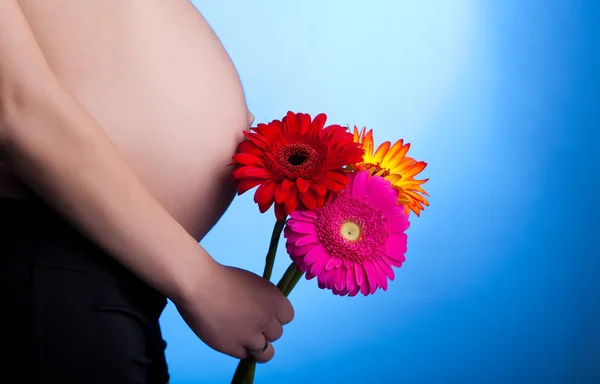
{"points": [[391, 162]]}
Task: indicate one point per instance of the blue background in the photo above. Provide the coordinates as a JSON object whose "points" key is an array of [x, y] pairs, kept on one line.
{"points": [[501, 99]]}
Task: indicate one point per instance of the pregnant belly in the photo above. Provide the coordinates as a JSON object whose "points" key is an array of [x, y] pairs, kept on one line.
{"points": [[157, 79]]}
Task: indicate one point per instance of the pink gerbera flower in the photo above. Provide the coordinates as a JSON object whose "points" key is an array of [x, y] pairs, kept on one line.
{"points": [[352, 243]]}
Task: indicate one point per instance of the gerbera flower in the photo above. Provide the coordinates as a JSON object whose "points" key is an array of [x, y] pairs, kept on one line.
{"points": [[352, 243], [390, 161], [296, 163]]}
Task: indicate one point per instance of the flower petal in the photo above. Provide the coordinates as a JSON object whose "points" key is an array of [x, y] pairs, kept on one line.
{"points": [[247, 184], [340, 177], [364, 287], [414, 169], [371, 276], [359, 274], [247, 146], [303, 249], [398, 150], [302, 184], [246, 158], [291, 201], [317, 252], [383, 281], [330, 264], [381, 151], [318, 123], [308, 239], [359, 184], [265, 194], [319, 266], [298, 216], [397, 245], [311, 214], [386, 268], [257, 172], [351, 279], [303, 227], [311, 200], [340, 283], [397, 223], [286, 184], [319, 190], [393, 262]]}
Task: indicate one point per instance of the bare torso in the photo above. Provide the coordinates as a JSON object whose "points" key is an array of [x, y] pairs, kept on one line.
{"points": [[159, 82]]}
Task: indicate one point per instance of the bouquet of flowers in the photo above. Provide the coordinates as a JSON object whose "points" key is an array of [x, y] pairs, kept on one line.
{"points": [[342, 205]]}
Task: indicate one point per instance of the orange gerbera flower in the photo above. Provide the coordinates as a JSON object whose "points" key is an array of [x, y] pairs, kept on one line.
{"points": [[296, 162], [391, 162]]}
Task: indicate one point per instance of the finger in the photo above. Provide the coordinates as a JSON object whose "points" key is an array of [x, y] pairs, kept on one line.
{"points": [[274, 331], [285, 312], [238, 353], [266, 356], [262, 351]]}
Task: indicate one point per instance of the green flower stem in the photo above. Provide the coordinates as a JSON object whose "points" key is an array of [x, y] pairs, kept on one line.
{"points": [[250, 375], [287, 277], [240, 372], [270, 259], [244, 373], [295, 278], [288, 281]]}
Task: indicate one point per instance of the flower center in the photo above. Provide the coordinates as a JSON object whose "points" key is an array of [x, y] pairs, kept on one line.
{"points": [[298, 158], [295, 160], [350, 231], [376, 169]]}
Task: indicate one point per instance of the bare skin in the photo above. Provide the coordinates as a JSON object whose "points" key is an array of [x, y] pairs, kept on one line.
{"points": [[123, 116], [163, 89]]}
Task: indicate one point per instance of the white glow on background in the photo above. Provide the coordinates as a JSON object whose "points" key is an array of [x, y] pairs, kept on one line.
{"points": [[385, 63]]}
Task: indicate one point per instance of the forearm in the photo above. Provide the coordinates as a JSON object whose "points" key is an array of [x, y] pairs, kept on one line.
{"points": [[56, 148]]}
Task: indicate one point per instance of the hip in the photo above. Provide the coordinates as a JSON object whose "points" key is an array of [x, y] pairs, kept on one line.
{"points": [[71, 313]]}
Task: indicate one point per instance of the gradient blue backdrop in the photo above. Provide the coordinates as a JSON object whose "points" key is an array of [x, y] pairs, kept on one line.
{"points": [[501, 99]]}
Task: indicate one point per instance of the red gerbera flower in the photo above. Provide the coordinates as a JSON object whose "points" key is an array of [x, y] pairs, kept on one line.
{"points": [[296, 163]]}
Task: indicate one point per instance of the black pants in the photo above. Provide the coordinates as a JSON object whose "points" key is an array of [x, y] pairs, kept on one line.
{"points": [[68, 312]]}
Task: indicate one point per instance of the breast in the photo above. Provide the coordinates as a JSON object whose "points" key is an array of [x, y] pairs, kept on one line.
{"points": [[160, 83]]}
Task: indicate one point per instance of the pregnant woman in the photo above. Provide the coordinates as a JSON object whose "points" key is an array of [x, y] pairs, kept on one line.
{"points": [[117, 122]]}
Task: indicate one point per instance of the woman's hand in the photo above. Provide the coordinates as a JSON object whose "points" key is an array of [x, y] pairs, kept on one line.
{"points": [[235, 311]]}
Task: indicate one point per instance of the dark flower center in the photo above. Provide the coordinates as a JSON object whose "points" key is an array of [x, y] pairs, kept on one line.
{"points": [[375, 169], [298, 158], [295, 160]]}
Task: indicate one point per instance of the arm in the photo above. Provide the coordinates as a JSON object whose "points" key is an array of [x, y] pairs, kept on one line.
{"points": [[61, 153], [56, 148]]}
